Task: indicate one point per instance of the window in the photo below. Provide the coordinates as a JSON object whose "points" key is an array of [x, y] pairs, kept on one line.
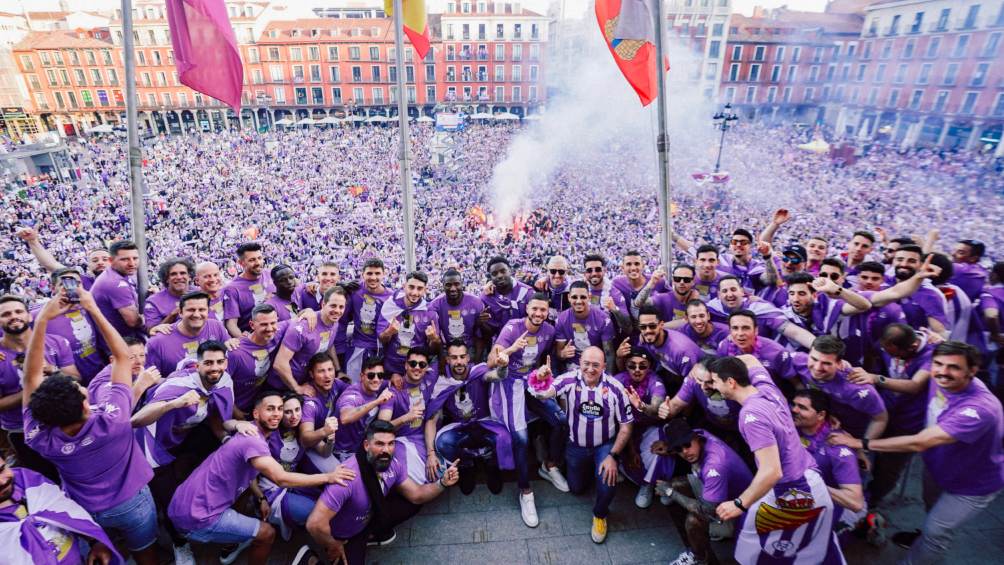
{"points": [[499, 52], [65, 77], [357, 74], [750, 94], [886, 49], [517, 52], [796, 52], [166, 98], [78, 74], [430, 73], [103, 98], [908, 48], [51, 76], [430, 93], [297, 73], [924, 76], [933, 47], [140, 58], [315, 73], [374, 53], [295, 54], [354, 53], [33, 82], [96, 78], [918, 22], [378, 95], [357, 95], [316, 95], [717, 29], [517, 73], [880, 73], [960, 46], [106, 56], [866, 51], [943, 19], [737, 52], [771, 94], [951, 71], [714, 49], [900, 77], [779, 54], [992, 44], [792, 73], [775, 73], [734, 72], [758, 53], [275, 72], [253, 54], [754, 73], [499, 94], [998, 110], [161, 79], [279, 95], [862, 69], [969, 103], [336, 95], [73, 100], [810, 93], [971, 16], [980, 75], [332, 53], [113, 76], [335, 73], [786, 97], [813, 73], [314, 53], [59, 100], [499, 31], [301, 95], [915, 99], [894, 26], [893, 97], [375, 72]]}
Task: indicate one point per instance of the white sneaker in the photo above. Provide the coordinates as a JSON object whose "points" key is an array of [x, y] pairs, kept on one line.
{"points": [[685, 558], [644, 497], [231, 556], [528, 510], [665, 500], [183, 555], [553, 476]]}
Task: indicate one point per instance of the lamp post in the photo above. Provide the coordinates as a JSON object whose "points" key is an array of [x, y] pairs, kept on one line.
{"points": [[265, 100], [723, 120]]}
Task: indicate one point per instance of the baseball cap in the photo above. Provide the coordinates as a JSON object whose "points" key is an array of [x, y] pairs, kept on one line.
{"points": [[795, 249], [678, 433]]}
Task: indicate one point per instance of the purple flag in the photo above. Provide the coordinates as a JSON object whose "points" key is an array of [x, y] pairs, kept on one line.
{"points": [[205, 49]]}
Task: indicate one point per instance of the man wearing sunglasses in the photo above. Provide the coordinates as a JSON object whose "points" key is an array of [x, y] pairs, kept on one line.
{"points": [[358, 405], [793, 260], [601, 289], [717, 474], [407, 412], [555, 283], [739, 260], [583, 326], [675, 352], [645, 392], [364, 311], [405, 322], [671, 304]]}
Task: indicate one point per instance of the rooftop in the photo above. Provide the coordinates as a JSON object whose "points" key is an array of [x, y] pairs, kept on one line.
{"points": [[60, 39]]}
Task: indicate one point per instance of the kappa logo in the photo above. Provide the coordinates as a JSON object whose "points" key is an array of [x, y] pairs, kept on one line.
{"points": [[971, 412], [713, 473], [844, 452], [750, 418], [862, 393], [87, 441], [111, 410]]}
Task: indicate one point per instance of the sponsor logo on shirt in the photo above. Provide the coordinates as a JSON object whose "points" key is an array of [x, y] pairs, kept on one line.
{"points": [[971, 412], [862, 393], [750, 418]]}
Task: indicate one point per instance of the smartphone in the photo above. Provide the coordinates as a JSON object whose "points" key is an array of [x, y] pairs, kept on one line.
{"points": [[70, 285]]}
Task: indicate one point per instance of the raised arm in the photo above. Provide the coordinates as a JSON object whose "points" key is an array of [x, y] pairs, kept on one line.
{"points": [[42, 255]]}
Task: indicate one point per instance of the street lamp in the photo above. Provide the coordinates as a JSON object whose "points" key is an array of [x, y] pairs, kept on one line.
{"points": [[265, 100], [722, 120]]}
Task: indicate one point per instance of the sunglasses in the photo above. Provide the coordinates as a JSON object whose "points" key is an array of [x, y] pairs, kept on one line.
{"points": [[831, 276], [375, 375], [594, 270], [683, 279], [557, 271], [741, 242], [637, 366], [417, 364], [795, 260], [648, 326]]}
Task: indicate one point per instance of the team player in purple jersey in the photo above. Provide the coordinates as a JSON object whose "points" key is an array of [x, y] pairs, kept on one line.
{"points": [[284, 508], [379, 497], [818, 304], [810, 411], [97, 259], [310, 295], [968, 274], [674, 351], [961, 447], [143, 377], [178, 342], [646, 393], [858, 249], [285, 283], [89, 438], [251, 288], [407, 412], [858, 407], [744, 340], [717, 475], [460, 403], [924, 308], [457, 314], [201, 507], [708, 273], [365, 305], [672, 305], [209, 280], [302, 340], [599, 429], [581, 326], [602, 292], [115, 290], [770, 319], [15, 322], [358, 405], [250, 362], [504, 297], [701, 330], [319, 420], [633, 280], [176, 280], [77, 327], [522, 346], [554, 283], [406, 322], [788, 510]]}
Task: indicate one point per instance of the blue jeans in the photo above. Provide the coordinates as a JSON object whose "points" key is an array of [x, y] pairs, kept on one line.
{"points": [[298, 507], [584, 462], [551, 413], [231, 527], [460, 441], [135, 519]]}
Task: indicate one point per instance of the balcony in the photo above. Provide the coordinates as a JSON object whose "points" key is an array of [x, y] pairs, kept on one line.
{"points": [[298, 80]]}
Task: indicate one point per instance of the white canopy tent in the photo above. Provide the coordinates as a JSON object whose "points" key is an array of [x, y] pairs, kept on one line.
{"points": [[306, 122], [425, 119], [103, 128], [284, 122], [505, 116]]}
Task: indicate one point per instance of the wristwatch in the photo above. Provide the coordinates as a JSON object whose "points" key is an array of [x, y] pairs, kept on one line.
{"points": [[881, 380], [616, 456], [864, 444], [739, 504]]}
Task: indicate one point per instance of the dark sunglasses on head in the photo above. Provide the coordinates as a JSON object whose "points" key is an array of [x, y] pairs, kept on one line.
{"points": [[375, 375], [637, 366], [557, 271], [683, 279], [419, 364], [795, 260], [831, 276], [594, 269], [648, 326]]}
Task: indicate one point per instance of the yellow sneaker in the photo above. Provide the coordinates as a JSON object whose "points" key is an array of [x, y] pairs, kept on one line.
{"points": [[599, 532]]}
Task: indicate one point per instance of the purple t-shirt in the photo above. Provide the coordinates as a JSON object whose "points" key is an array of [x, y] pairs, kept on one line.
{"points": [[102, 465], [167, 351], [242, 295], [622, 284], [723, 413], [748, 274], [57, 353], [412, 394], [317, 408], [595, 329], [927, 302], [860, 332], [350, 436], [505, 307], [351, 504], [650, 387], [412, 324], [216, 483], [249, 365], [598, 296], [460, 321], [365, 312], [974, 464], [79, 330], [837, 464], [158, 306], [677, 354], [709, 289], [709, 343], [906, 411], [669, 306], [853, 405], [774, 357], [825, 314], [538, 346], [764, 422], [770, 320], [285, 309], [112, 291], [304, 343], [722, 472], [970, 277]]}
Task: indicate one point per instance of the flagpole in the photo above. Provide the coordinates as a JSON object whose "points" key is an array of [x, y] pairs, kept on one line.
{"points": [[403, 159], [662, 143], [135, 154]]}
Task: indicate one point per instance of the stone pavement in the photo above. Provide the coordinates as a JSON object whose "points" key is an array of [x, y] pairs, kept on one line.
{"points": [[483, 529]]}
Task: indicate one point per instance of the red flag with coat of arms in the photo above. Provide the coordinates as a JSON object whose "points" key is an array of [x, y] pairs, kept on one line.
{"points": [[628, 29]]}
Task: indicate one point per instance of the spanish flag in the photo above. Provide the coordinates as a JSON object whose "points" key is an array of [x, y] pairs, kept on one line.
{"points": [[416, 26], [628, 29]]}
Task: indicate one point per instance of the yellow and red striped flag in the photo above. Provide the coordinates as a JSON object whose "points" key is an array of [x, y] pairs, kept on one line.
{"points": [[416, 25]]}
